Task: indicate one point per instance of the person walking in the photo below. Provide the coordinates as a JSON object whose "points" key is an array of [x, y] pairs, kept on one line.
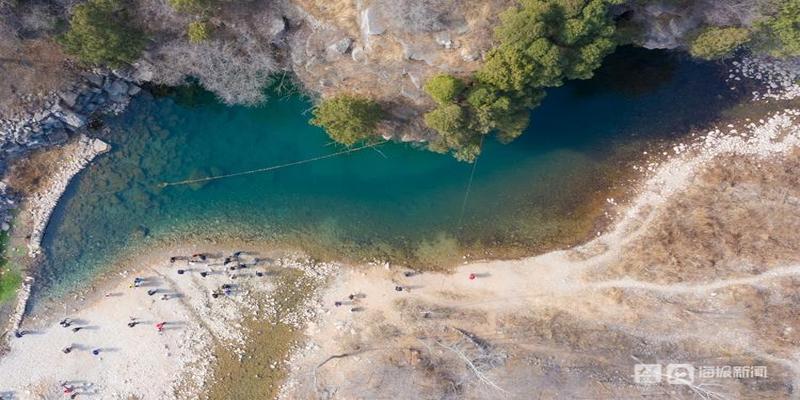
{"points": [[160, 326]]}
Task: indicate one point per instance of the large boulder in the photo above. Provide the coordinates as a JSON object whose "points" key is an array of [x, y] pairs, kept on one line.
{"points": [[72, 119], [372, 22]]}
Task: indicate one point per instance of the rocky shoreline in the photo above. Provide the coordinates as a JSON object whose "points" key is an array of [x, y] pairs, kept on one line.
{"points": [[65, 114], [42, 204]]}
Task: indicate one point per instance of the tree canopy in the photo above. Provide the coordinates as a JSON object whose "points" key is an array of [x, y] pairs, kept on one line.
{"points": [[444, 88], [348, 119], [541, 43], [100, 32]]}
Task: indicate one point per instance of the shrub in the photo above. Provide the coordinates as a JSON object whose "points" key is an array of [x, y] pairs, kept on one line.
{"points": [[782, 32], [718, 42], [100, 33], [444, 88], [348, 119], [198, 31], [236, 72]]}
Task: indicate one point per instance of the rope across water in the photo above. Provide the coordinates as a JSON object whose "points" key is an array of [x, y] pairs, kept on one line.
{"points": [[271, 168]]}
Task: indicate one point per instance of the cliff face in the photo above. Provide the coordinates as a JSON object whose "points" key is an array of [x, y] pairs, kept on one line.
{"points": [[667, 24], [386, 49]]}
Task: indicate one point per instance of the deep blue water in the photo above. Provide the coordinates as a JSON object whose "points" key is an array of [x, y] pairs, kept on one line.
{"points": [[398, 202]]}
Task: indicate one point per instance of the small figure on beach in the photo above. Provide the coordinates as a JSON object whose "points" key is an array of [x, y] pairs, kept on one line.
{"points": [[215, 294], [152, 292], [351, 296], [160, 326], [472, 277], [337, 303], [67, 349], [66, 322], [408, 274], [77, 328], [173, 259], [180, 272], [132, 324], [165, 297], [398, 288], [96, 352], [203, 274], [259, 274], [138, 281]]}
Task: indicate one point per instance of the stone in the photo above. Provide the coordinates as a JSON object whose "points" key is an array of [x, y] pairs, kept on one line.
{"points": [[69, 98], [443, 38], [469, 55], [358, 55], [117, 91], [72, 118], [100, 146], [371, 23], [95, 80], [340, 46]]}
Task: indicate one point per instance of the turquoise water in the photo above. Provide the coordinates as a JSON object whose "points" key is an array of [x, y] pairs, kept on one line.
{"points": [[394, 202]]}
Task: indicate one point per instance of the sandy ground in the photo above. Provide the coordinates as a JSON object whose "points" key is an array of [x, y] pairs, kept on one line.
{"points": [[141, 362]]}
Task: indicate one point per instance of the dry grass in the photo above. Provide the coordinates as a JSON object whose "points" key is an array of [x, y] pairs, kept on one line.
{"points": [[37, 66]]}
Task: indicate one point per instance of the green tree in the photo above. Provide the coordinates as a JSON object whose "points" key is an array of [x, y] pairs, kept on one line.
{"points": [[444, 88], [448, 119], [348, 119], [100, 32], [541, 43], [718, 42], [198, 31]]}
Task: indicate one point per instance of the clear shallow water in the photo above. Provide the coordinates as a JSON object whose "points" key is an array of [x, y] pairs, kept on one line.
{"points": [[400, 203]]}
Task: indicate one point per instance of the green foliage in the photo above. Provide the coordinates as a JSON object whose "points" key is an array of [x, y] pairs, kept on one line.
{"points": [[781, 33], [348, 119], [198, 31], [542, 43], [718, 42], [190, 5], [448, 119], [444, 88], [100, 32], [10, 279]]}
